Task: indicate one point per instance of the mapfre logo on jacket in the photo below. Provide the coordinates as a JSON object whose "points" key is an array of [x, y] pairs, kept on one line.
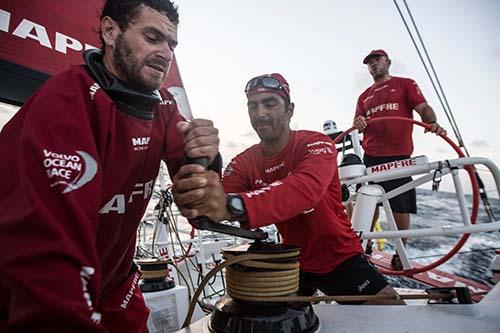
{"points": [[140, 143], [69, 171]]}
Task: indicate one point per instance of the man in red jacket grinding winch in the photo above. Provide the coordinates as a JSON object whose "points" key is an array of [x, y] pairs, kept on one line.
{"points": [[289, 179], [78, 166]]}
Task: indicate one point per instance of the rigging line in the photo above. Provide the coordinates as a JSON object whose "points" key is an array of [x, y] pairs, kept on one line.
{"points": [[184, 278], [173, 230], [449, 115], [426, 68], [185, 253], [461, 252], [459, 136]]}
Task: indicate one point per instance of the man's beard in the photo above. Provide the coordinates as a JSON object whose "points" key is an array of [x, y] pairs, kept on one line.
{"points": [[129, 66], [277, 127], [380, 73]]}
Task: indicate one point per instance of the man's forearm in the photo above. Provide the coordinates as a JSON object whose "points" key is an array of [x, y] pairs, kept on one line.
{"points": [[428, 115]]}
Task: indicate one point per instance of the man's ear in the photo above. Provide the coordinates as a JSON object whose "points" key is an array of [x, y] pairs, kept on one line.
{"points": [[290, 109], [109, 31]]}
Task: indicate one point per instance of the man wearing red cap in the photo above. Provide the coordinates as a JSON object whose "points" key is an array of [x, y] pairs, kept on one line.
{"points": [[391, 96], [289, 179]]}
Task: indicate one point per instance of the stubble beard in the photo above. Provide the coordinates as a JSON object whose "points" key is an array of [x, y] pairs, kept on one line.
{"points": [[379, 74], [277, 129], [128, 64]]}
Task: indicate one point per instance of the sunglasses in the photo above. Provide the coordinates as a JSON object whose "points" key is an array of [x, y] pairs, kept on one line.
{"points": [[267, 82]]}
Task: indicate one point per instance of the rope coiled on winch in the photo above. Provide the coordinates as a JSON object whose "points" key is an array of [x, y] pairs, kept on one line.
{"points": [[252, 279], [229, 262]]}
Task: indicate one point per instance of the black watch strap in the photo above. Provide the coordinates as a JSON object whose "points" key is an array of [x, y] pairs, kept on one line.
{"points": [[236, 207]]}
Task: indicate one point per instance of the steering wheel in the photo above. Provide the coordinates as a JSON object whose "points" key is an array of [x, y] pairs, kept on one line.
{"points": [[475, 197]]}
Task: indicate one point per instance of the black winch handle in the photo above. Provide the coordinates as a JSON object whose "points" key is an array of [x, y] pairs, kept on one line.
{"points": [[204, 223], [203, 161]]}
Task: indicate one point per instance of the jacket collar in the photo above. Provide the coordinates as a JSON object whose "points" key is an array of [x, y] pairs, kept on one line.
{"points": [[136, 103]]}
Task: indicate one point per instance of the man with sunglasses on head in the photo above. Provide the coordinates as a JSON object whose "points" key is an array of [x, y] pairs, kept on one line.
{"points": [[78, 167], [289, 179], [391, 96]]}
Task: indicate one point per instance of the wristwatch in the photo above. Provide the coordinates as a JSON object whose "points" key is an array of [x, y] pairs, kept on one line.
{"points": [[236, 207]]}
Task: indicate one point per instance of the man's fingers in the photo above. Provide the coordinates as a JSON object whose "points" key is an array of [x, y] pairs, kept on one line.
{"points": [[196, 127], [360, 122], [200, 131], [185, 199], [209, 140], [189, 213], [201, 138], [201, 122], [188, 170], [183, 127], [204, 151], [195, 204], [202, 146], [440, 131], [436, 129], [188, 184], [213, 177]]}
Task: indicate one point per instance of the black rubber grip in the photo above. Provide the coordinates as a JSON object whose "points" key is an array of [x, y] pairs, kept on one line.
{"points": [[203, 161]]}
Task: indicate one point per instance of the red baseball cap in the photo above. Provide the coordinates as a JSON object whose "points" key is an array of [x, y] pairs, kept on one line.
{"points": [[374, 53], [274, 82]]}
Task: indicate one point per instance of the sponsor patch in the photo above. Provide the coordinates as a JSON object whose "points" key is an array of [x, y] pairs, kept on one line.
{"points": [[274, 168], [383, 107], [413, 161], [319, 151], [319, 143], [260, 183], [131, 290], [69, 171], [308, 211], [140, 143], [228, 171], [118, 202], [363, 285], [85, 276], [367, 98], [93, 90], [264, 189]]}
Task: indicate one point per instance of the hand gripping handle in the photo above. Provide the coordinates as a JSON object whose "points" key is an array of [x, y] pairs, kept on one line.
{"points": [[204, 223]]}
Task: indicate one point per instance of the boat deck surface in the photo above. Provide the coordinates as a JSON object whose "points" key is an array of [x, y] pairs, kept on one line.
{"points": [[431, 318]]}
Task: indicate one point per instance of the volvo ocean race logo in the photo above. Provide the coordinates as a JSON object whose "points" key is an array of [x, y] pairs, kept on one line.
{"points": [[70, 171]]}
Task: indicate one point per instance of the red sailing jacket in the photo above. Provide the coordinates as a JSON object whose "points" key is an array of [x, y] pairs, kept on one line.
{"points": [[76, 174], [299, 191], [394, 98]]}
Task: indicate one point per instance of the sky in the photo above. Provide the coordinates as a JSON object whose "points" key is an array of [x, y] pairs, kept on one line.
{"points": [[319, 45]]}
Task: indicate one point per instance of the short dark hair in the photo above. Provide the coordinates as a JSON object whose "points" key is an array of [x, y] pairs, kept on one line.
{"points": [[122, 11]]}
